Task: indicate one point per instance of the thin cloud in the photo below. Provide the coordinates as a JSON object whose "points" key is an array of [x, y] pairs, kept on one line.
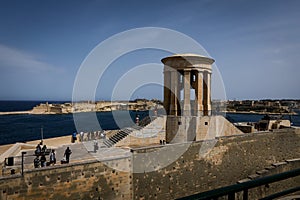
{"points": [[16, 59]]}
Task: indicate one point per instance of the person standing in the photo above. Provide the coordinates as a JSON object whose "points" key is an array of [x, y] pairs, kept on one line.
{"points": [[67, 154], [38, 150], [74, 137], [137, 120], [81, 136], [36, 162], [96, 147], [43, 161], [52, 157]]}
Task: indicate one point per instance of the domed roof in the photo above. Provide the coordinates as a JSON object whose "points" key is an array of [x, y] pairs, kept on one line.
{"points": [[189, 57]]}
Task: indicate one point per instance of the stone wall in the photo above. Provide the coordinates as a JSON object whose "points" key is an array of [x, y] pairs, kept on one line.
{"points": [[89, 180], [193, 128], [231, 159], [160, 172], [210, 127]]}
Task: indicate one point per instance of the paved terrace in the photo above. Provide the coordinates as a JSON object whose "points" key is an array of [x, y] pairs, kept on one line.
{"points": [[81, 152]]}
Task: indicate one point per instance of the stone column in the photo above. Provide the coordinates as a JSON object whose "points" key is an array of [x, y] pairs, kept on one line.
{"points": [[178, 94], [199, 94], [174, 89], [209, 93], [206, 93], [167, 91], [187, 93]]}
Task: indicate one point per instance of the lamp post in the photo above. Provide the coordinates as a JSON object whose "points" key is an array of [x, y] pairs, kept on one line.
{"points": [[42, 134], [23, 153]]}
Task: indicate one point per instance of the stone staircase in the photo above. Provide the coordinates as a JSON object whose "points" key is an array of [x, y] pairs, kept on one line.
{"points": [[123, 133]]}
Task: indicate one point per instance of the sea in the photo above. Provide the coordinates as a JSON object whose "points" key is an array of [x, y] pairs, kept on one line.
{"points": [[27, 127]]}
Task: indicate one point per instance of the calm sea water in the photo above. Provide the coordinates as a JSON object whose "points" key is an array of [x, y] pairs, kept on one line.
{"points": [[21, 128]]}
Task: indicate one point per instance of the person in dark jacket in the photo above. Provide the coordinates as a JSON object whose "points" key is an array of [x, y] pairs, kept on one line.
{"points": [[43, 161], [67, 154]]}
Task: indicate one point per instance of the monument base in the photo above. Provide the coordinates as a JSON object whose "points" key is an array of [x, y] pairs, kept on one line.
{"points": [[194, 128]]}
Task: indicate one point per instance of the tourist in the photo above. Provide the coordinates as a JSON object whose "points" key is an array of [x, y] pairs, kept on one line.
{"points": [[44, 149], [38, 150], [74, 137], [155, 111], [52, 157], [92, 135], [101, 135], [96, 147], [67, 154], [36, 162], [43, 161], [137, 120], [81, 136]]}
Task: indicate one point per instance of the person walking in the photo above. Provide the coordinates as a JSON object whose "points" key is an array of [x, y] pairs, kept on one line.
{"points": [[67, 154]]}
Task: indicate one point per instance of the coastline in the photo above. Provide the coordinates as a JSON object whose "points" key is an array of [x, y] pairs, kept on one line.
{"points": [[259, 113], [16, 112], [53, 113], [30, 112]]}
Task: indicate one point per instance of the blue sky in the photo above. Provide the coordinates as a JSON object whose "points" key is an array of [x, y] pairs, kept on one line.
{"points": [[43, 43]]}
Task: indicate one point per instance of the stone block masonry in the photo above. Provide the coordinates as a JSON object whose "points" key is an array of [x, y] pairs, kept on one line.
{"points": [[232, 158], [89, 180]]}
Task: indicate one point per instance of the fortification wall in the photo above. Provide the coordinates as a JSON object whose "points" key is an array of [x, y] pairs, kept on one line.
{"points": [[89, 180], [192, 168], [231, 159]]}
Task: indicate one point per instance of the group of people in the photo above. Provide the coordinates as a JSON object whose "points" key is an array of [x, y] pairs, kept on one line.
{"points": [[40, 150], [41, 160], [91, 135]]}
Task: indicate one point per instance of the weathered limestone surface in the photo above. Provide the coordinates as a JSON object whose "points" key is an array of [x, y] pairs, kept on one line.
{"points": [[199, 168], [91, 180], [194, 128], [231, 159]]}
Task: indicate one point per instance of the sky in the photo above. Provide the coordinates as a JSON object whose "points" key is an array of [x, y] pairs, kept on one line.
{"points": [[43, 44]]}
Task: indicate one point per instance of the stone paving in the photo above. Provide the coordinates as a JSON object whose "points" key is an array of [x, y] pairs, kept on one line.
{"points": [[81, 151]]}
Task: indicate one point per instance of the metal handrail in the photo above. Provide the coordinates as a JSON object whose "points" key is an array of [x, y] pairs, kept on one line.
{"points": [[232, 189]]}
